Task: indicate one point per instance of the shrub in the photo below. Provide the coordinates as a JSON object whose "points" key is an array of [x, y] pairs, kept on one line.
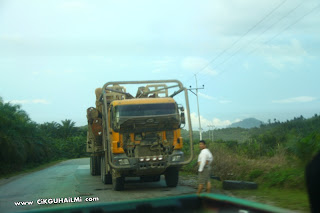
{"points": [[255, 174]]}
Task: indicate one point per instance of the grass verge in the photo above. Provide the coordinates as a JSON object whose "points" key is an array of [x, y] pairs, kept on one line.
{"points": [[296, 200], [292, 199]]}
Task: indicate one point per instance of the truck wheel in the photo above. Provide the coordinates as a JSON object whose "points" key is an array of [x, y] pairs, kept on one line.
{"points": [[93, 165], [105, 178], [117, 183], [108, 178], [156, 178], [233, 184], [172, 176], [91, 169], [102, 169], [98, 163]]}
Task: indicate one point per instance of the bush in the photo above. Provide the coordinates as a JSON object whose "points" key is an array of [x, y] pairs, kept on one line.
{"points": [[25, 143], [255, 174], [305, 148], [285, 177]]}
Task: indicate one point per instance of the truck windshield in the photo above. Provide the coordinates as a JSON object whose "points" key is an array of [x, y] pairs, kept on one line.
{"points": [[145, 109]]}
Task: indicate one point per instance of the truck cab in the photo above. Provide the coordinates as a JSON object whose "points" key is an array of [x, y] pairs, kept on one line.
{"points": [[140, 136]]}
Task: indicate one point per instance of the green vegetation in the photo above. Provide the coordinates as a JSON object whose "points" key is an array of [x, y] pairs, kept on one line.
{"points": [[26, 144], [292, 199], [273, 155]]}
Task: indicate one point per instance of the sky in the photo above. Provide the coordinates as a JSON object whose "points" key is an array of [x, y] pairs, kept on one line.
{"points": [[255, 58]]}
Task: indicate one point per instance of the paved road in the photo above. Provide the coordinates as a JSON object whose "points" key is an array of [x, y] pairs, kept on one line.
{"points": [[70, 183]]}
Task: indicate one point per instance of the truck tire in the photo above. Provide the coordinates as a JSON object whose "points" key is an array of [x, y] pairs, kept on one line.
{"points": [[93, 165], [105, 178], [98, 163], [172, 176], [233, 184], [91, 170], [117, 183], [108, 178], [156, 178]]}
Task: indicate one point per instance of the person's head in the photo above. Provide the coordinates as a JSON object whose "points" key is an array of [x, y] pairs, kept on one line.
{"points": [[202, 144]]}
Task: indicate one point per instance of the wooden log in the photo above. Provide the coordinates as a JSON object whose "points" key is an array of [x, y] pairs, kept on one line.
{"points": [[98, 93], [97, 127], [92, 113]]}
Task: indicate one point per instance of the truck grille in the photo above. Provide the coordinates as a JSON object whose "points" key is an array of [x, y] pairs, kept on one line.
{"points": [[152, 165]]}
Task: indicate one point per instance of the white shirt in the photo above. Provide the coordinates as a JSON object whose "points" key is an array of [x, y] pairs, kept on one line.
{"points": [[204, 156]]}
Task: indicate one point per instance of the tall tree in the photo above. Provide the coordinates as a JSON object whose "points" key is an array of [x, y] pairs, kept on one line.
{"points": [[67, 128]]}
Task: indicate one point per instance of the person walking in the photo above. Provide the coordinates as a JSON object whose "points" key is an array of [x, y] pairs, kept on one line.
{"points": [[204, 162]]}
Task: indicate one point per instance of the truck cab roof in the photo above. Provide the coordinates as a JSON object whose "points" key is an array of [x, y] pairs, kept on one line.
{"points": [[142, 101]]}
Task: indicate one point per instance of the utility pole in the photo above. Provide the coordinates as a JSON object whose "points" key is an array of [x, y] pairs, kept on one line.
{"points": [[209, 132], [211, 126], [200, 130]]}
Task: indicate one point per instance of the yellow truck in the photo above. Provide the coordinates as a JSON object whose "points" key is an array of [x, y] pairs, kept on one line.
{"points": [[138, 136]]}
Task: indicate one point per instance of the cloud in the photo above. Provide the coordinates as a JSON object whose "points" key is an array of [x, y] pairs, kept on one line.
{"points": [[225, 101], [301, 99], [74, 5], [34, 101], [162, 65], [218, 123], [157, 70], [100, 58], [12, 39], [69, 71], [210, 71], [39, 101], [198, 65], [246, 65], [279, 56], [206, 96], [163, 62], [193, 63], [35, 73]]}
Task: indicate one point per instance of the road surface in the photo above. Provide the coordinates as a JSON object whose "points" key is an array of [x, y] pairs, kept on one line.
{"points": [[70, 183]]}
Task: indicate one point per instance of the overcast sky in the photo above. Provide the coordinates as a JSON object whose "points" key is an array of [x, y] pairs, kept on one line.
{"points": [[255, 58]]}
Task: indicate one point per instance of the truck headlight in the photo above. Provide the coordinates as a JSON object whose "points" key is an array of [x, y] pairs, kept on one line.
{"points": [[123, 161], [176, 158]]}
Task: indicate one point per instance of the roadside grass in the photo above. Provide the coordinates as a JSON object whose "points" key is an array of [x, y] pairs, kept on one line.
{"points": [[291, 199], [280, 178], [296, 200], [30, 168]]}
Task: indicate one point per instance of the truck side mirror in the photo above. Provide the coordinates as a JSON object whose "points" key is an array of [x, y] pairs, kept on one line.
{"points": [[182, 117], [114, 119]]}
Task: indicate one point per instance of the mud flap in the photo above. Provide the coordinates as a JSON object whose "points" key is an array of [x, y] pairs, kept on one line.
{"points": [[172, 176], [117, 181]]}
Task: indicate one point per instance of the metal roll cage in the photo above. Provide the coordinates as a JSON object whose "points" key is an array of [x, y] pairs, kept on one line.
{"points": [[106, 127]]}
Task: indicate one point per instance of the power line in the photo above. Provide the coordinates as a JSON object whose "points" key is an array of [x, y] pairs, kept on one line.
{"points": [[244, 46], [254, 26], [286, 28], [283, 30], [295, 22], [200, 130]]}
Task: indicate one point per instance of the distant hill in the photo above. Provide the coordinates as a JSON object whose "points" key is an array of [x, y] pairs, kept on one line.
{"points": [[247, 123]]}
